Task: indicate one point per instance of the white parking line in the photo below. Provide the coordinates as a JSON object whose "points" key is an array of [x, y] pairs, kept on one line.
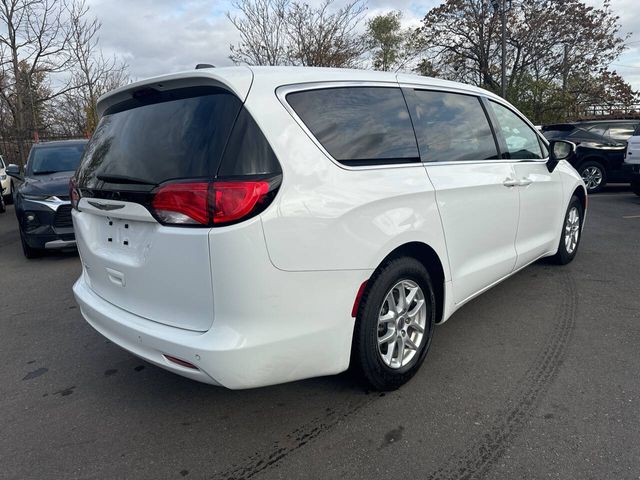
{"points": [[631, 216]]}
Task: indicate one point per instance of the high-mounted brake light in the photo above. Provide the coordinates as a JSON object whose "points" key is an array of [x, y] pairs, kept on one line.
{"points": [[209, 203]]}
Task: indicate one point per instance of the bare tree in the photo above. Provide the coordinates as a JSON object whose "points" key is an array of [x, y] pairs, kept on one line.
{"points": [[33, 41], [281, 32], [321, 38], [93, 74], [263, 32]]}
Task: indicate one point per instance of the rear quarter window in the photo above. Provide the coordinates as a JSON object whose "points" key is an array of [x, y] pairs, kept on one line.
{"points": [[359, 125]]}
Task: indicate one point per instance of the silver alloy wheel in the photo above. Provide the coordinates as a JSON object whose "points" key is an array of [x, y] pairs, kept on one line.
{"points": [[572, 230], [401, 324], [592, 177]]}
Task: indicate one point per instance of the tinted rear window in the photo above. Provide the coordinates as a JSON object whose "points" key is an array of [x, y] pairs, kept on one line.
{"points": [[161, 136], [359, 125], [248, 152]]}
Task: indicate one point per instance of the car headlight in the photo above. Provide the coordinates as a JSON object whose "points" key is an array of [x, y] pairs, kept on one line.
{"points": [[47, 198], [3, 177]]}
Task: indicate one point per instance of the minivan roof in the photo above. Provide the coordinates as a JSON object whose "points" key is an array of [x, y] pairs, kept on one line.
{"points": [[240, 79]]}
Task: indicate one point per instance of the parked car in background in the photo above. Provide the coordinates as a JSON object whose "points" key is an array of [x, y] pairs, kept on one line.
{"points": [[41, 197], [633, 159], [618, 130], [5, 182], [599, 159], [250, 226]]}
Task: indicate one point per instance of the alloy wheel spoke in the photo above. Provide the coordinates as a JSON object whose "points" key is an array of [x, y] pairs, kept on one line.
{"points": [[400, 344], [390, 316], [417, 327], [415, 310], [411, 297], [388, 337], [402, 299], [409, 343]]}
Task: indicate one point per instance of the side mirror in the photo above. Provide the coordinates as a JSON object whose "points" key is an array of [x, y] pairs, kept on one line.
{"points": [[13, 170], [560, 150]]}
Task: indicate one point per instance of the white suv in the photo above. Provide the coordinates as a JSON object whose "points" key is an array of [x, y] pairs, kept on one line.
{"points": [[250, 226]]}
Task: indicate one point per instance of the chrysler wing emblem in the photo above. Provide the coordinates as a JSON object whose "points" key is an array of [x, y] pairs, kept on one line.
{"points": [[105, 206]]}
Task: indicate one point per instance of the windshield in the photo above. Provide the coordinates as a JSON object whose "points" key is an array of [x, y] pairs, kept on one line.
{"points": [[60, 158]]}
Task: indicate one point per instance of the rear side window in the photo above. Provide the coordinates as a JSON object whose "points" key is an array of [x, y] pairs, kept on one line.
{"points": [[248, 152], [160, 136], [452, 127], [621, 131], [522, 141], [359, 125]]}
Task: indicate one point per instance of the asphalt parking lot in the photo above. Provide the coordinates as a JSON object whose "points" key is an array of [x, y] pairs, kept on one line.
{"points": [[537, 378]]}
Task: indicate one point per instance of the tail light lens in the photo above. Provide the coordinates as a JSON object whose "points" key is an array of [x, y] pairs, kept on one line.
{"points": [[212, 203], [183, 203], [74, 193]]}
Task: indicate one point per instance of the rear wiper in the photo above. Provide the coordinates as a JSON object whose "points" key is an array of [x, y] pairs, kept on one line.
{"points": [[122, 179], [45, 172]]}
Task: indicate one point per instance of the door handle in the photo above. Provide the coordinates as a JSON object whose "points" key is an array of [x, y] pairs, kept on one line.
{"points": [[525, 181], [510, 182]]}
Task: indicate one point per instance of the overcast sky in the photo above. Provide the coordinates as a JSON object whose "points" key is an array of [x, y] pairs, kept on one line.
{"points": [[161, 36]]}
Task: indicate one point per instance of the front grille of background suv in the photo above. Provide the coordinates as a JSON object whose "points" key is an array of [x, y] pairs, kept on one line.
{"points": [[63, 217]]}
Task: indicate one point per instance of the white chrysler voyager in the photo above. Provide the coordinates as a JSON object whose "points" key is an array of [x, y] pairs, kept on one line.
{"points": [[250, 226]]}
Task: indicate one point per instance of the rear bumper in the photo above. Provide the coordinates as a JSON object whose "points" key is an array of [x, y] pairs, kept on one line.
{"points": [[274, 346], [144, 338]]}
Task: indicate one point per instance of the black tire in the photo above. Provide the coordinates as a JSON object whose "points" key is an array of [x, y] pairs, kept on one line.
{"points": [[635, 187], [563, 256], [29, 252], [366, 356], [3, 208], [591, 166]]}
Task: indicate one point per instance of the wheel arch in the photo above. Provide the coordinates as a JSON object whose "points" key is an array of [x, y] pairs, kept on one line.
{"points": [[581, 193], [426, 255], [604, 161]]}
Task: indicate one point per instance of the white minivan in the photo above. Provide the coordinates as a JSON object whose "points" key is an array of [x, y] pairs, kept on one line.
{"points": [[249, 226]]}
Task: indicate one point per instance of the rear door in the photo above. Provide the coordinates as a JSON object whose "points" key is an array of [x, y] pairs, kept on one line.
{"points": [[159, 272], [541, 208], [475, 190]]}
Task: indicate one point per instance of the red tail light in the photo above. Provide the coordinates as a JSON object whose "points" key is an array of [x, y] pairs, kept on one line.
{"points": [[235, 200], [209, 203], [183, 203], [74, 193]]}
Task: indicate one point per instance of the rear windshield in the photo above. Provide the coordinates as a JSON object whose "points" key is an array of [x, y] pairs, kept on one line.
{"points": [[160, 136], [43, 160]]}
